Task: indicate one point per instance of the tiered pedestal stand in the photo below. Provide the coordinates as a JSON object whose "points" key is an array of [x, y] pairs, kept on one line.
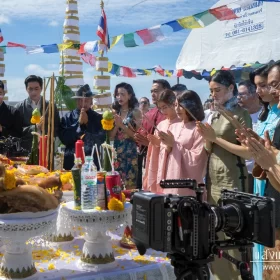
{"points": [[98, 253], [15, 230]]}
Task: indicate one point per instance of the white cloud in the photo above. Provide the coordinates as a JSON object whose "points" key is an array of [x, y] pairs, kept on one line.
{"points": [[53, 23], [16, 88], [4, 19], [35, 69], [119, 12], [53, 66]]}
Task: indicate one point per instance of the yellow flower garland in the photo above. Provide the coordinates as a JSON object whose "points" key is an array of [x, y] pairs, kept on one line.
{"points": [[115, 205], [107, 124], [35, 119], [66, 178], [10, 179]]}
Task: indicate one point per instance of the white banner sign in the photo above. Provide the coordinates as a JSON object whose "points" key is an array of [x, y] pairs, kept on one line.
{"points": [[250, 20]]}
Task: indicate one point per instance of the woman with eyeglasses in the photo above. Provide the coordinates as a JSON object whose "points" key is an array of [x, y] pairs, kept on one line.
{"points": [[157, 153], [182, 154], [144, 105]]}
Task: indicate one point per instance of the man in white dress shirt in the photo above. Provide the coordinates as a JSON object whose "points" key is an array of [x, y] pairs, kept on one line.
{"points": [[249, 99]]}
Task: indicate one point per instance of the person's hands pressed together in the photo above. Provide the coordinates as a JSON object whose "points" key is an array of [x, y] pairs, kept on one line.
{"points": [[83, 119], [167, 138]]}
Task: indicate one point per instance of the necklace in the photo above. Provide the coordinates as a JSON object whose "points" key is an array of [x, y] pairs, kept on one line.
{"points": [[124, 110]]}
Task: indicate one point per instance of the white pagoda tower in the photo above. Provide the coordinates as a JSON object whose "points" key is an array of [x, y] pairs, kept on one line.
{"points": [[71, 65]]}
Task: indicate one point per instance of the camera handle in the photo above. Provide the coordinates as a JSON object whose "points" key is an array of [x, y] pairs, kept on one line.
{"points": [[241, 265]]}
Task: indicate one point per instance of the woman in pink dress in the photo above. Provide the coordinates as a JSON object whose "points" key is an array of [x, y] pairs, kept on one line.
{"points": [[166, 105], [182, 154]]}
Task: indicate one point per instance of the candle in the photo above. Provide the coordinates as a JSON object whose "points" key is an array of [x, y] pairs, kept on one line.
{"points": [[43, 151], [79, 150]]}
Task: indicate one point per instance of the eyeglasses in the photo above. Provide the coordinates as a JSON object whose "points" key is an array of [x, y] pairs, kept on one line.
{"points": [[273, 88]]}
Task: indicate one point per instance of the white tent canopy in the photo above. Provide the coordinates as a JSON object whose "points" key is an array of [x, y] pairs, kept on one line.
{"points": [[253, 36]]}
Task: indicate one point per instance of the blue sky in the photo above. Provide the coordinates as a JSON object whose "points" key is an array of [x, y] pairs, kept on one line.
{"points": [[41, 22]]}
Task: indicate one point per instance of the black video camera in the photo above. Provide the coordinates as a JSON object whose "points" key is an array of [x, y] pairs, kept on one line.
{"points": [[11, 147], [186, 226]]}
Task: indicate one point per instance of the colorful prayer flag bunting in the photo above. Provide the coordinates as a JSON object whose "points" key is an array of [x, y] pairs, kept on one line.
{"points": [[148, 35]]}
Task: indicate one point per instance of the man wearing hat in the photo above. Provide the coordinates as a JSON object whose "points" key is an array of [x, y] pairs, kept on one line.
{"points": [[82, 123]]}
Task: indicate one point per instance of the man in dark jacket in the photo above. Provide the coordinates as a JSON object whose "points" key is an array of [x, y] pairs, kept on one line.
{"points": [[34, 86], [81, 123], [10, 124]]}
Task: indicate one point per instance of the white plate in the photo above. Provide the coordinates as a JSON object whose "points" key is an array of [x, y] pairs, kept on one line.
{"points": [[27, 215]]}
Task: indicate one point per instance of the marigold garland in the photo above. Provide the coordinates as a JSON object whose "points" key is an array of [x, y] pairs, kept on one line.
{"points": [[115, 205], [10, 179], [35, 119], [66, 178], [107, 124]]}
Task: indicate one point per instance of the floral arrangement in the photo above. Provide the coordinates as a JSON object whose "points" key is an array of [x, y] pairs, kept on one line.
{"points": [[117, 205], [34, 156], [107, 124], [107, 121], [36, 116]]}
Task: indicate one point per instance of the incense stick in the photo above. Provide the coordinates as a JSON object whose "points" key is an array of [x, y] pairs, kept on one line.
{"points": [[189, 112], [109, 158], [52, 123], [49, 129], [43, 127], [150, 122], [83, 148], [92, 152], [98, 157]]}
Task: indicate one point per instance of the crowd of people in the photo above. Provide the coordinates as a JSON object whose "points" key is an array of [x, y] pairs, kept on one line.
{"points": [[178, 137]]}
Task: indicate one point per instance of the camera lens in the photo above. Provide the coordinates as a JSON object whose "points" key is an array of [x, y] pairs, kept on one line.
{"points": [[228, 218]]}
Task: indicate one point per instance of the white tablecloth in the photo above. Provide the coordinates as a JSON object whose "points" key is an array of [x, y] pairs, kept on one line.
{"points": [[60, 262]]}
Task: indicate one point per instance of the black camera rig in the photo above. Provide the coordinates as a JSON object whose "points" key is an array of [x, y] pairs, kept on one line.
{"points": [[185, 227]]}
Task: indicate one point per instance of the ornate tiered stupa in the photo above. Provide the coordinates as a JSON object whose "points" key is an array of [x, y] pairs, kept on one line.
{"points": [[71, 65], [2, 71]]}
